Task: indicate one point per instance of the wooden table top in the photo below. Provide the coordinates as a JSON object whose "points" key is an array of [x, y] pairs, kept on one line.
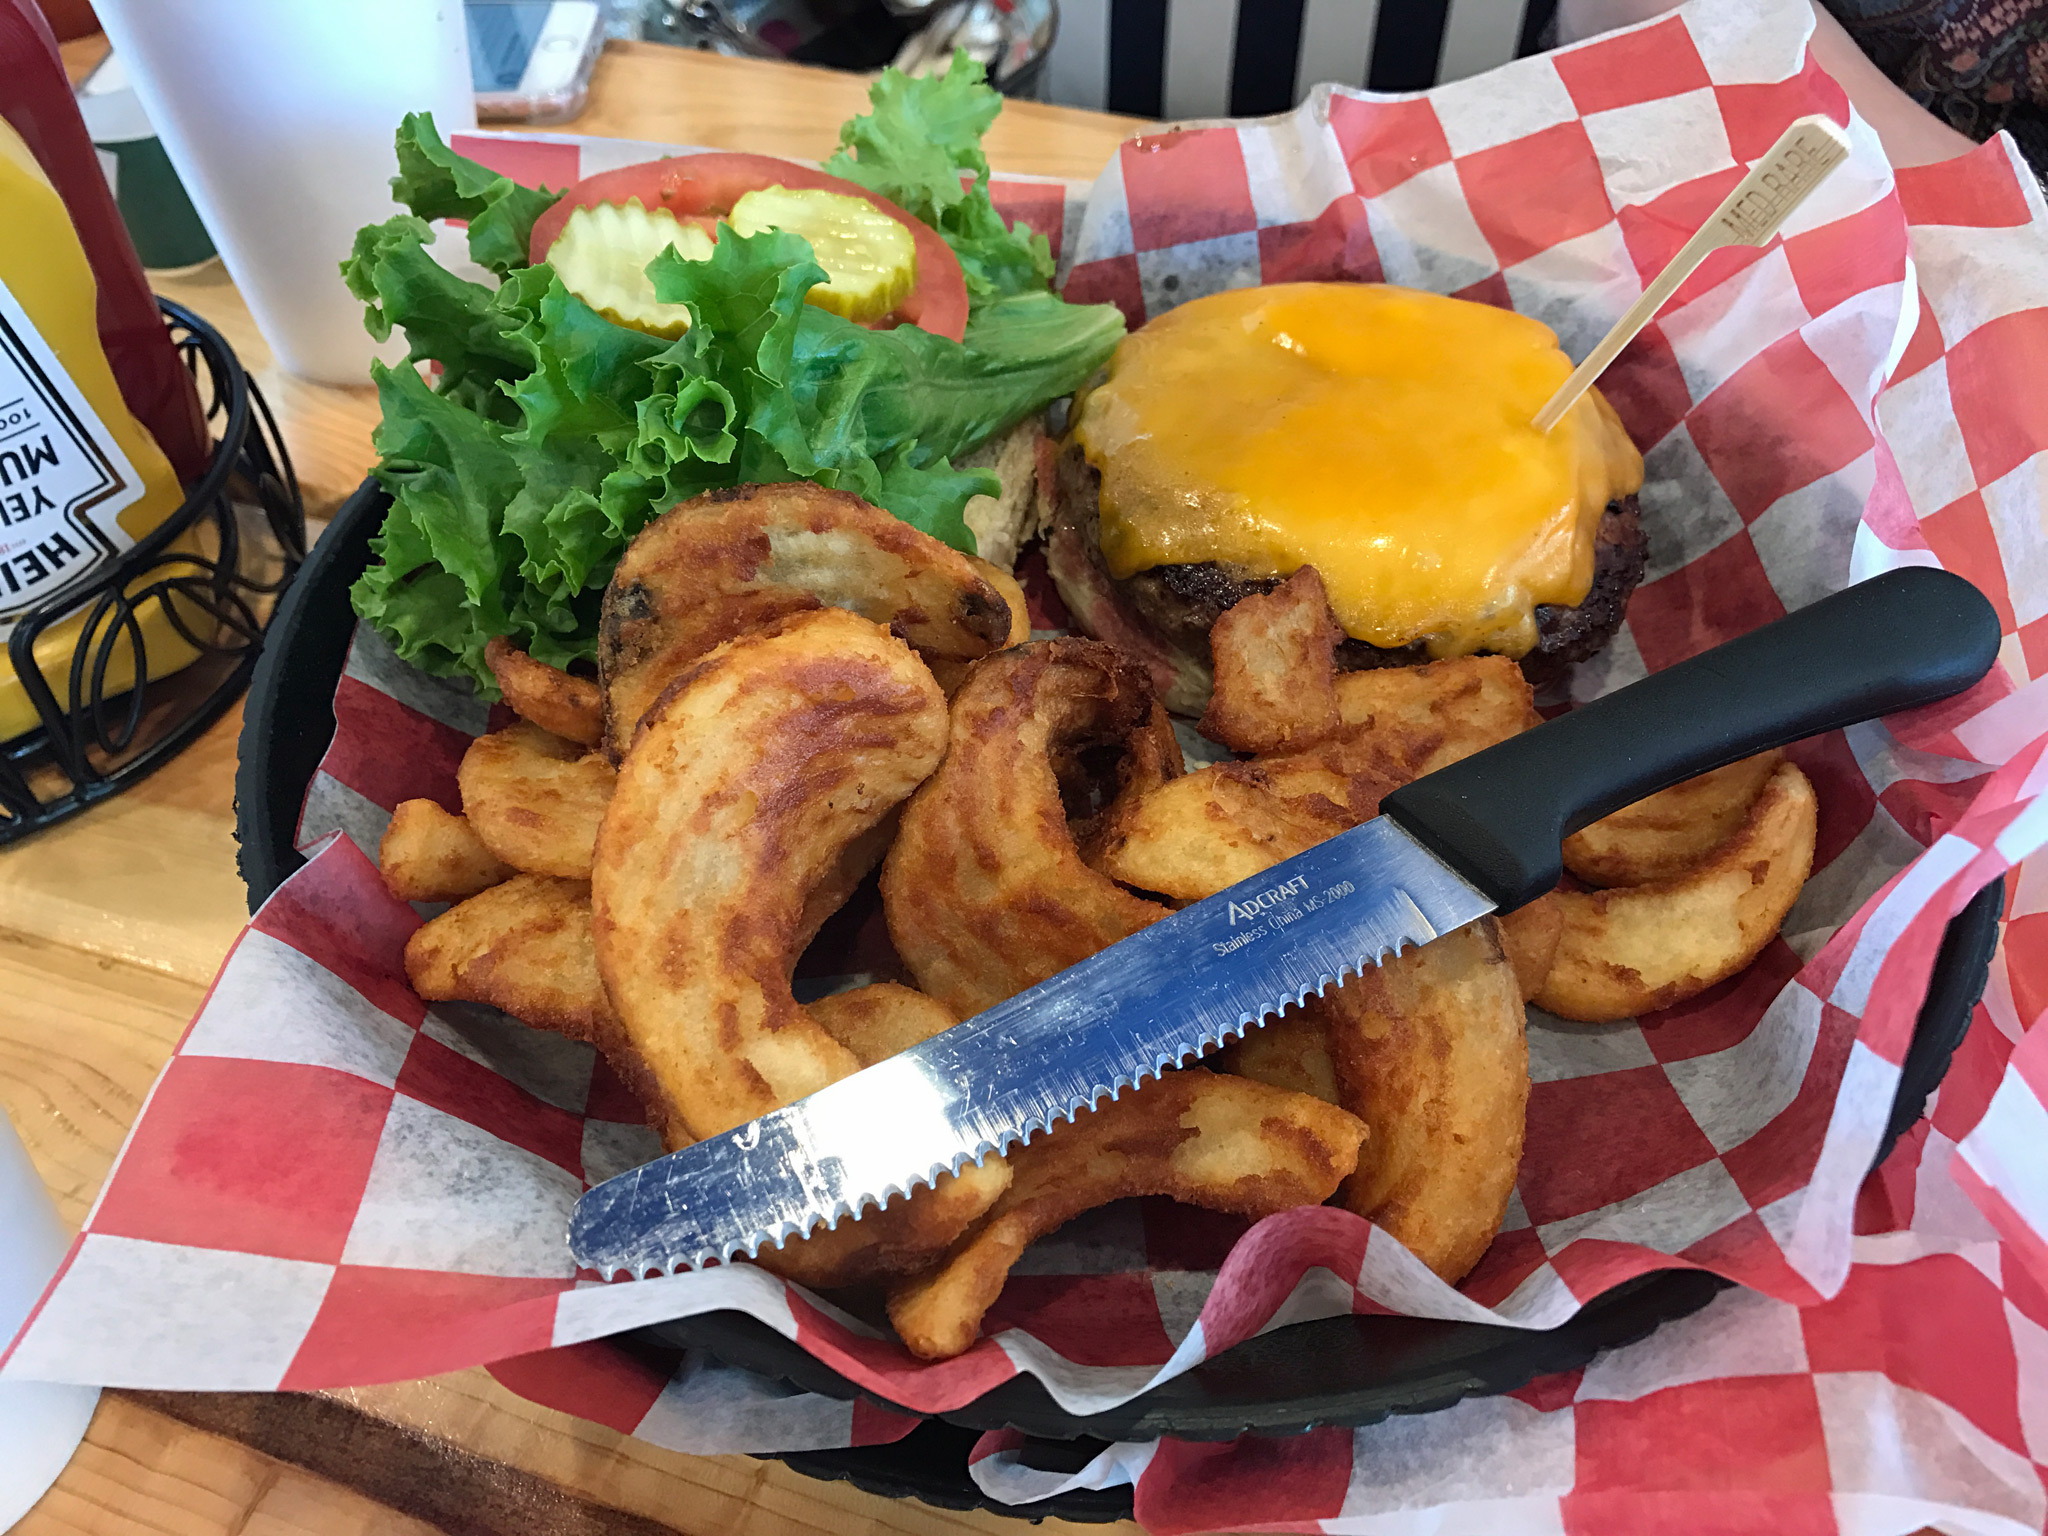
{"points": [[112, 925]]}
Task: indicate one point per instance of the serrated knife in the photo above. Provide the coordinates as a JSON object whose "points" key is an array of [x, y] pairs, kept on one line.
{"points": [[1480, 836]]}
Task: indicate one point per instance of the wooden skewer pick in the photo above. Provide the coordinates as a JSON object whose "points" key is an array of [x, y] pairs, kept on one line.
{"points": [[1800, 161]]}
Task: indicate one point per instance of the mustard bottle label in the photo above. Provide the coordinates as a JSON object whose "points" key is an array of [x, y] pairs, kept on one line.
{"points": [[63, 478]]}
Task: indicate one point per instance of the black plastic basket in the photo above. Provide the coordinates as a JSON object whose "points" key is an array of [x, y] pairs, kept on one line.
{"points": [[247, 519], [1335, 1371]]}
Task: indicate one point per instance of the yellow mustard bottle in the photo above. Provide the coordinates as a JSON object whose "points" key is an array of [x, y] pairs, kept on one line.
{"points": [[81, 479]]}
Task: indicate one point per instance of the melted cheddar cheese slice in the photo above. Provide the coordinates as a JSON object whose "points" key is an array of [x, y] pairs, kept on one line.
{"points": [[1380, 434]]}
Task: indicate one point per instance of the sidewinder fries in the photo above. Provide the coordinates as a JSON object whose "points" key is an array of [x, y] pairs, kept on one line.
{"points": [[1672, 830], [776, 667], [1428, 1049], [535, 799], [1013, 596], [523, 946], [1225, 1143], [985, 890], [1292, 1051], [1276, 669], [1205, 830], [1638, 948], [1530, 935], [874, 1023], [734, 561], [431, 854], [568, 706], [903, 1238], [951, 671], [758, 766], [1446, 709], [1430, 1053], [1229, 821], [877, 1021]]}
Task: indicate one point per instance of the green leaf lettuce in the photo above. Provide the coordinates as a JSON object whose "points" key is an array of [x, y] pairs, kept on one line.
{"points": [[549, 436]]}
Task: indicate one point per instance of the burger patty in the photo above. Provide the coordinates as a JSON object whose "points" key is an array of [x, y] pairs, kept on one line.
{"points": [[1182, 603]]}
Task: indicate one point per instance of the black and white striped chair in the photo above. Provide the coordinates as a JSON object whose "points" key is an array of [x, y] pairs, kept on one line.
{"points": [[1214, 58]]}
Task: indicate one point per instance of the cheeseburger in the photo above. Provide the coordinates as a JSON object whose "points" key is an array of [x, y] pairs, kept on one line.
{"points": [[1380, 434]]}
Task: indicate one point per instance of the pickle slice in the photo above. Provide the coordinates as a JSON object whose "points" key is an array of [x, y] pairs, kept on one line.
{"points": [[870, 261], [602, 254]]}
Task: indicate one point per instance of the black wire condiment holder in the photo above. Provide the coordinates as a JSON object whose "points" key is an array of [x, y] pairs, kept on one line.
{"points": [[211, 574]]}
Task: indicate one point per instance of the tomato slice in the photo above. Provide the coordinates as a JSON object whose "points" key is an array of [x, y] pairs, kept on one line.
{"points": [[701, 187]]}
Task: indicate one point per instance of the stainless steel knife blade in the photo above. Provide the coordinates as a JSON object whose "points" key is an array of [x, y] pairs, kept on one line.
{"points": [[1194, 980]]}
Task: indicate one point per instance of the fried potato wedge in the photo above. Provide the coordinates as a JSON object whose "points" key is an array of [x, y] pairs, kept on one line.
{"points": [[1195, 845], [431, 854], [854, 863], [1636, 949], [1400, 723], [1351, 772], [743, 789], [1276, 669], [567, 706], [732, 561], [878, 1021], [952, 671], [523, 946], [985, 890], [1190, 838], [535, 799], [908, 1236], [874, 1023], [1291, 1052], [1229, 821], [1672, 830], [1224, 1143], [1530, 935], [1430, 1046], [1013, 596], [1430, 716], [1149, 759], [1430, 1052]]}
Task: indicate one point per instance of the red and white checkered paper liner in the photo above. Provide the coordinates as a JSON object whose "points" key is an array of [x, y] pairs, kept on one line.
{"points": [[332, 1184]]}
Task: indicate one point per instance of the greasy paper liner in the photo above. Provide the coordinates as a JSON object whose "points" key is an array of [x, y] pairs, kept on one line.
{"points": [[333, 1184]]}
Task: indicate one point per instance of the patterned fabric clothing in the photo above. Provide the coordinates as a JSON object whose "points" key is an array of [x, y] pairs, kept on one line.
{"points": [[1980, 65]]}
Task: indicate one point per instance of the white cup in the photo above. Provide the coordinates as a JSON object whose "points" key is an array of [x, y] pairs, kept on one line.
{"points": [[278, 115], [41, 1423]]}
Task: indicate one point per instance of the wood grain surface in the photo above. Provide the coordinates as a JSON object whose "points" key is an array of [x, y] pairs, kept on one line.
{"points": [[112, 925]]}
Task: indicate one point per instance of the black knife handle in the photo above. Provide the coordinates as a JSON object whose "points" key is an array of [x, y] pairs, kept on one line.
{"points": [[1905, 638]]}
